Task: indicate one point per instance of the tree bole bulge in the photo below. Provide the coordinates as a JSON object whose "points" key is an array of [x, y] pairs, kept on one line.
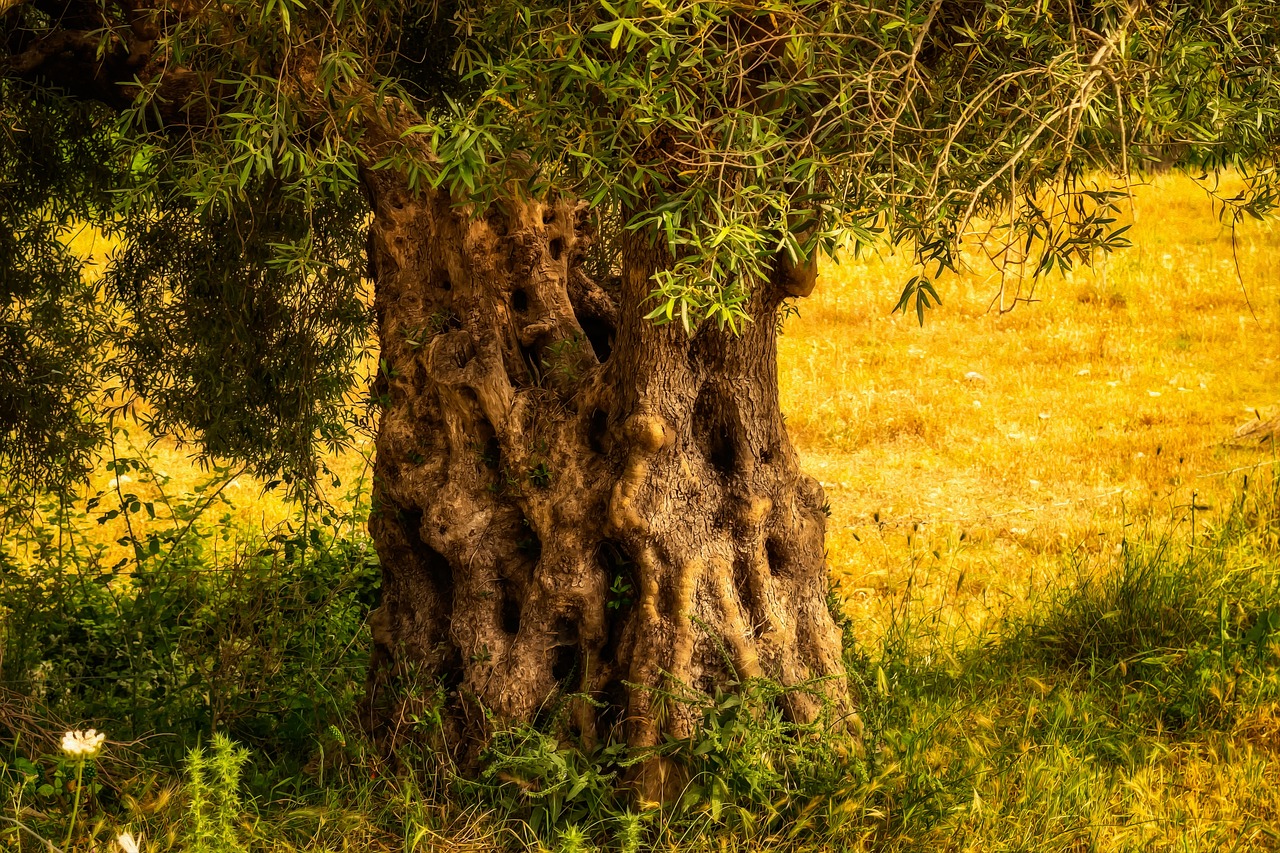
{"points": [[571, 500]]}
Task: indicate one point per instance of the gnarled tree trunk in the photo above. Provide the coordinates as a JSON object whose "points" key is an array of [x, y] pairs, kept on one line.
{"points": [[572, 499]]}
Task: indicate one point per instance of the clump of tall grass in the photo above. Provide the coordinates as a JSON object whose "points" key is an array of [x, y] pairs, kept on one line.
{"points": [[1191, 612]]}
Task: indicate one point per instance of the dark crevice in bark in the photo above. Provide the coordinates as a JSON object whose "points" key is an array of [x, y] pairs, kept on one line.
{"points": [[491, 453], [613, 695], [597, 430], [428, 561], [511, 605], [564, 665], [529, 544], [595, 309], [713, 432], [744, 588], [618, 569], [599, 335], [776, 557]]}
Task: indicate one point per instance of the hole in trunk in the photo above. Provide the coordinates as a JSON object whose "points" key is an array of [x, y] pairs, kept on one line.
{"points": [[777, 557], [510, 608], [556, 247], [491, 453], [742, 586], [532, 362], [712, 432], [520, 300], [599, 334], [597, 427], [529, 543], [609, 718], [564, 664], [620, 598], [566, 631], [430, 575]]}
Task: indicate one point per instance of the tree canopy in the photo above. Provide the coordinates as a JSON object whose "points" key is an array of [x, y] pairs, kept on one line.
{"points": [[225, 149]]}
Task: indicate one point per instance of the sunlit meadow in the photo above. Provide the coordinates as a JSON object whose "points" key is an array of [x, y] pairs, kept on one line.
{"points": [[1038, 514], [964, 458]]}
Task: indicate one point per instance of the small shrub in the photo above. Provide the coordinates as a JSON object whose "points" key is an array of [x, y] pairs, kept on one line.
{"points": [[204, 627]]}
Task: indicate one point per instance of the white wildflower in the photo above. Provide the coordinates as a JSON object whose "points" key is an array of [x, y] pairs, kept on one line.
{"points": [[127, 842], [82, 744]]}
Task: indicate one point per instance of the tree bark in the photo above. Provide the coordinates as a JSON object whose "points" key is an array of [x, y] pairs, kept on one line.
{"points": [[572, 500]]}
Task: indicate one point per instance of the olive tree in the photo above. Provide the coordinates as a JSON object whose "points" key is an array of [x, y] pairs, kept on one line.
{"points": [[583, 224]]}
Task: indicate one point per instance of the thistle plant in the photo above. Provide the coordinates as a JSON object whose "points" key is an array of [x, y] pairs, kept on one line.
{"points": [[630, 831], [213, 781], [80, 747]]}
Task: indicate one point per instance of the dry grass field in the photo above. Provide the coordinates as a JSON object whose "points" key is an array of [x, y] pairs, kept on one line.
{"points": [[963, 459]]}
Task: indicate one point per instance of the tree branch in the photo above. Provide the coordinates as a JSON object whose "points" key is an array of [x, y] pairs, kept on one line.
{"points": [[62, 45]]}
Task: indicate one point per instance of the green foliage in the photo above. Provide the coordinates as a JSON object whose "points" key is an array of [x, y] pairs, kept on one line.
{"points": [[1195, 629], [554, 788], [737, 132], [620, 591], [56, 170], [540, 475], [239, 322], [197, 627], [748, 771], [753, 771]]}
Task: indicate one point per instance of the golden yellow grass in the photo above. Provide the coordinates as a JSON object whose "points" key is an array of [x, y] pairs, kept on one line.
{"points": [[962, 459]]}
